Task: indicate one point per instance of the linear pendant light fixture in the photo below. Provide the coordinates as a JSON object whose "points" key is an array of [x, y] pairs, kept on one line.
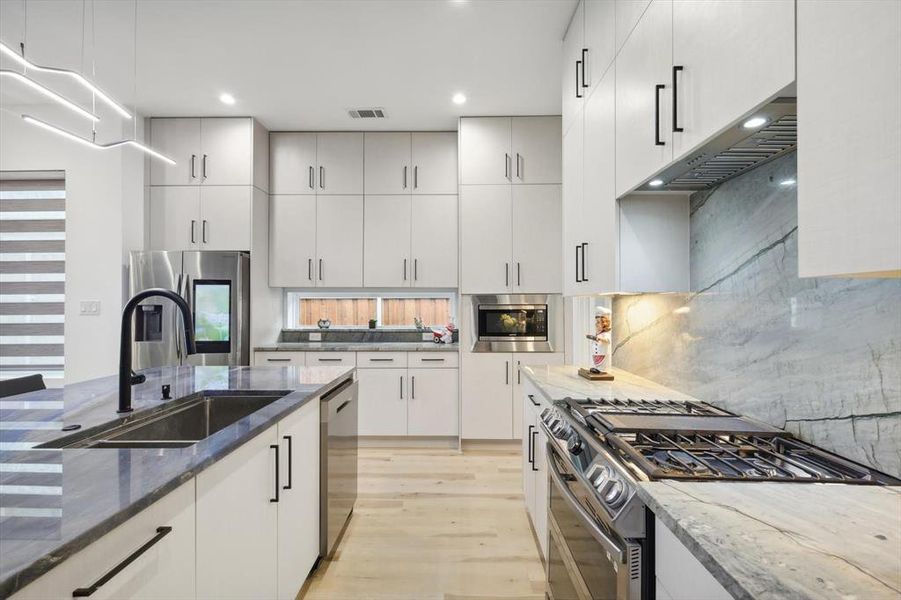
{"points": [[78, 77], [86, 142], [49, 93]]}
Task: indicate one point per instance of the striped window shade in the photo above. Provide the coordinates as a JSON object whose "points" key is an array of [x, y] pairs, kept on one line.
{"points": [[32, 275]]}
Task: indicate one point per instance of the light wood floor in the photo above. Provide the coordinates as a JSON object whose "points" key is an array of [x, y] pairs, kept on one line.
{"points": [[435, 524]]}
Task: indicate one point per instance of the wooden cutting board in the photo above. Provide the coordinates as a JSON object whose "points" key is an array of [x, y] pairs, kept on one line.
{"points": [[587, 374]]}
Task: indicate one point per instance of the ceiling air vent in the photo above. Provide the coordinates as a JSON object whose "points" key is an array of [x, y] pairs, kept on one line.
{"points": [[367, 113]]}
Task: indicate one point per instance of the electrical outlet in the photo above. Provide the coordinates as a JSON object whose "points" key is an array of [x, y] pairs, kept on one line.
{"points": [[90, 308], [315, 336]]}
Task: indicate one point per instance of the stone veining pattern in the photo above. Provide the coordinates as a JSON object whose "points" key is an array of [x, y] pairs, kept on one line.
{"points": [[820, 357]]}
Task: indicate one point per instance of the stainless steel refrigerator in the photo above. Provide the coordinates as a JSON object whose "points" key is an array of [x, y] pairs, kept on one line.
{"points": [[216, 286]]}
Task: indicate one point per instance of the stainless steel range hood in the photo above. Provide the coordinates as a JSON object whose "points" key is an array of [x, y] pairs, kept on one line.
{"points": [[733, 152]]}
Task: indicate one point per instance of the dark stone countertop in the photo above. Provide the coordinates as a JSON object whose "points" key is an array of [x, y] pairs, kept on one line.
{"points": [[96, 489], [358, 347]]}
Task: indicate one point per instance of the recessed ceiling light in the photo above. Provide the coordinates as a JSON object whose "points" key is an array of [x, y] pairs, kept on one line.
{"points": [[655, 183], [227, 98], [788, 182], [459, 98], [755, 122]]}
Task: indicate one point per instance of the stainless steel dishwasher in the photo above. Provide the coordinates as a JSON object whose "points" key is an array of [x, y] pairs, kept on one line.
{"points": [[337, 462]]}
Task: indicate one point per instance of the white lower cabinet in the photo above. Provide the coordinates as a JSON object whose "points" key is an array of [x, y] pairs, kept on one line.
{"points": [[383, 401], [298, 505], [164, 571], [420, 401], [679, 574], [237, 523], [491, 386], [534, 463], [277, 358], [200, 217], [432, 406]]}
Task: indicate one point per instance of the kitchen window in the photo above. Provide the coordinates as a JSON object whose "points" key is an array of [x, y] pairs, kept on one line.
{"points": [[32, 274], [304, 310]]}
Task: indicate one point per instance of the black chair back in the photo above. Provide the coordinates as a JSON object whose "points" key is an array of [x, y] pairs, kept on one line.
{"points": [[21, 385]]}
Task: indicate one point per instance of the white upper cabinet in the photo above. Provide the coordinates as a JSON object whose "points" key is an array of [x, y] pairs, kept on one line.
{"points": [[596, 261], [225, 213], [434, 241], [292, 163], [292, 241], [208, 151], [340, 163], [628, 12], [434, 162], [536, 150], [536, 239], [174, 218], [653, 243], [339, 241], [573, 89], [227, 151], [729, 57], [387, 159], [849, 138], [643, 93], [485, 150], [486, 238], [179, 139], [600, 45], [574, 228], [386, 237]]}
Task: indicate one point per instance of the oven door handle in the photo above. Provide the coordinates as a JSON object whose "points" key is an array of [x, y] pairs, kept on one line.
{"points": [[597, 533]]}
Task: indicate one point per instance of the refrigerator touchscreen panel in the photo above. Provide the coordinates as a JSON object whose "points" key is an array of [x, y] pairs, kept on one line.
{"points": [[212, 315]]}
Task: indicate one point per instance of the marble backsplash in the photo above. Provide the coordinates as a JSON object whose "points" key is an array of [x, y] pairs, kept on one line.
{"points": [[820, 357]]}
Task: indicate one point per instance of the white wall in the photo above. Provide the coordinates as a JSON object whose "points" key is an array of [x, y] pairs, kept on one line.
{"points": [[104, 219]]}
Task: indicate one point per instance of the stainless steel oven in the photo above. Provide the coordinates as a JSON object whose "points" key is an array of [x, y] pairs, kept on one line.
{"points": [[513, 323], [587, 559]]}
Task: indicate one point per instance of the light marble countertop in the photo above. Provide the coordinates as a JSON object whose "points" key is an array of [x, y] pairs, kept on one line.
{"points": [[358, 347], [91, 502], [765, 540]]}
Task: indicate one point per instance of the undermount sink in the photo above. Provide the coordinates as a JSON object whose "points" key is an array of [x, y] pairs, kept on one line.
{"points": [[183, 423]]}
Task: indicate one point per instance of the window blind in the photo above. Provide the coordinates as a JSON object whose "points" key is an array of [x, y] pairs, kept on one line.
{"points": [[32, 276]]}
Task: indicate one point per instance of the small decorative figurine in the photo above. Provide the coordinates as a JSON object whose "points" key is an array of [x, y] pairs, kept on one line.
{"points": [[601, 342]]}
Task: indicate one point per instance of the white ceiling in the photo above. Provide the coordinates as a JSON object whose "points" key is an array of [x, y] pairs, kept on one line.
{"points": [[301, 64]]}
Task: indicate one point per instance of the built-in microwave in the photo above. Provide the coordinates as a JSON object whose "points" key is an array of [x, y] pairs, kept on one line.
{"points": [[512, 323]]}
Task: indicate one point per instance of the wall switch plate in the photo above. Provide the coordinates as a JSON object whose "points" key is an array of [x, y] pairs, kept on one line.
{"points": [[89, 308], [315, 336]]}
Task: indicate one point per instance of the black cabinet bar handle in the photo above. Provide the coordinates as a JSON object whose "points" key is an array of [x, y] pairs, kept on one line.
{"points": [[578, 86], [193, 159], [584, 245], [381, 360], [532, 400], [413, 387], [405, 269], [343, 406], [320, 269], [676, 128], [507, 372], [531, 450], [275, 447], [401, 387], [657, 140], [312, 185], [578, 279], [506, 274], [290, 461], [432, 359], [193, 231], [405, 176], [278, 359], [203, 230], [328, 359], [310, 269], [585, 83], [518, 274], [415, 177], [507, 167], [518, 373], [161, 532], [321, 177], [203, 167], [534, 433], [518, 160], [415, 269]]}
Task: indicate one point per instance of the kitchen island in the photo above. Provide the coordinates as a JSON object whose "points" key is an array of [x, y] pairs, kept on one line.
{"points": [[760, 540], [57, 502]]}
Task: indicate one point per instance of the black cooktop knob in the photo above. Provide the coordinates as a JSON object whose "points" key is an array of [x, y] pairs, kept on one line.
{"points": [[574, 445]]}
